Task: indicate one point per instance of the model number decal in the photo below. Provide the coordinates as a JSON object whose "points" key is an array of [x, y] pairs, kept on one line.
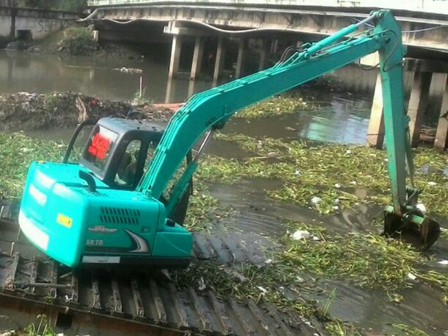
{"points": [[94, 242]]}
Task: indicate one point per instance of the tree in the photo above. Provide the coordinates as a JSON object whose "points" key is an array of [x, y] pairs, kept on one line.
{"points": [[63, 5]]}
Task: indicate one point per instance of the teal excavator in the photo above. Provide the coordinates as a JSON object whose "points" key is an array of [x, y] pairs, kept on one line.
{"points": [[109, 209]]}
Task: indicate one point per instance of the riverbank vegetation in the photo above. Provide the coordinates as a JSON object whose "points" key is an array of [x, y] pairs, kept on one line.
{"points": [[32, 111], [78, 41], [62, 5]]}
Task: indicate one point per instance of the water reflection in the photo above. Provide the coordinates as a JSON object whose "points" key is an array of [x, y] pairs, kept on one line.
{"points": [[342, 118], [341, 122]]}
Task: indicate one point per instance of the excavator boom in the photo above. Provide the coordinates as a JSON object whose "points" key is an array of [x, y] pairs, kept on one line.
{"points": [[212, 108]]}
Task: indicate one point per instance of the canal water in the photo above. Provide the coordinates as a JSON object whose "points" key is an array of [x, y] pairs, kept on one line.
{"points": [[341, 117]]}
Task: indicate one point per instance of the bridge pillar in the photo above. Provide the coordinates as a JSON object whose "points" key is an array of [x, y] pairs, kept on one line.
{"points": [[441, 142], [96, 35], [219, 61], [417, 104], [239, 71], [170, 94], [197, 57], [375, 132], [175, 56], [274, 46], [263, 54]]}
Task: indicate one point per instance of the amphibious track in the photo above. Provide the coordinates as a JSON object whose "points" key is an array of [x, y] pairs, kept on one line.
{"points": [[138, 295]]}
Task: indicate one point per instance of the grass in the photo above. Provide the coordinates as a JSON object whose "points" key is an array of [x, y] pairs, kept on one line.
{"points": [[43, 327]]}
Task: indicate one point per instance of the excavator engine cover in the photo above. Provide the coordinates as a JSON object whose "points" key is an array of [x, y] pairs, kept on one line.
{"points": [[77, 225]]}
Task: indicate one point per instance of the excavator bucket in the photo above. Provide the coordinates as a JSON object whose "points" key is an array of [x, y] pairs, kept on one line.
{"points": [[413, 228]]}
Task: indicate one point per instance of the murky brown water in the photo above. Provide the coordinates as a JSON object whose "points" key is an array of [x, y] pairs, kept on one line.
{"points": [[342, 118]]}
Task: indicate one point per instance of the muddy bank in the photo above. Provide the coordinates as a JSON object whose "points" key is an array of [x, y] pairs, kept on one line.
{"points": [[30, 111]]}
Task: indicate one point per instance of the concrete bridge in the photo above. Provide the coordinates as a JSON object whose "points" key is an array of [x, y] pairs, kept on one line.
{"points": [[424, 22], [424, 25], [28, 23]]}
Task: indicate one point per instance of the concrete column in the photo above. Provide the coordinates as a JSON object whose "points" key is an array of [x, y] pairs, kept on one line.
{"points": [[442, 127], [274, 46], [417, 104], [263, 55], [375, 132], [175, 56], [170, 90], [436, 92], [197, 57], [239, 71], [219, 61], [96, 35], [191, 87], [12, 32]]}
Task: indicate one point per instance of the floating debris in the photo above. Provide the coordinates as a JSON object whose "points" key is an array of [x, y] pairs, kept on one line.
{"points": [[300, 234], [131, 71]]}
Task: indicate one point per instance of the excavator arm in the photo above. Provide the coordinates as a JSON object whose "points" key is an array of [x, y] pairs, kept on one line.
{"points": [[212, 108]]}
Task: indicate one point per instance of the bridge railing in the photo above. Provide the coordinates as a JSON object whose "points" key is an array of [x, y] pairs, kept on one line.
{"points": [[429, 6]]}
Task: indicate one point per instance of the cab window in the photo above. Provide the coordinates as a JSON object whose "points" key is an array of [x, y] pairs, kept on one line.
{"points": [[127, 168]]}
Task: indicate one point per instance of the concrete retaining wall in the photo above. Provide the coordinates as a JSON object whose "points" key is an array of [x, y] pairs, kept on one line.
{"points": [[37, 23]]}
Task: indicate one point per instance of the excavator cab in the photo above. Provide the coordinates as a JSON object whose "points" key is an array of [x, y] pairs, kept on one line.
{"points": [[117, 152], [88, 213]]}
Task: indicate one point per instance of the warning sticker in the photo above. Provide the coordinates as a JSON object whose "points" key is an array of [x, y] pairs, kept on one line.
{"points": [[64, 220]]}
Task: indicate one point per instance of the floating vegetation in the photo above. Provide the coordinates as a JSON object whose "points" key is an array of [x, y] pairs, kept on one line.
{"points": [[367, 260], [339, 328], [276, 106], [408, 331], [203, 210], [324, 200], [328, 169], [17, 151], [246, 281]]}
